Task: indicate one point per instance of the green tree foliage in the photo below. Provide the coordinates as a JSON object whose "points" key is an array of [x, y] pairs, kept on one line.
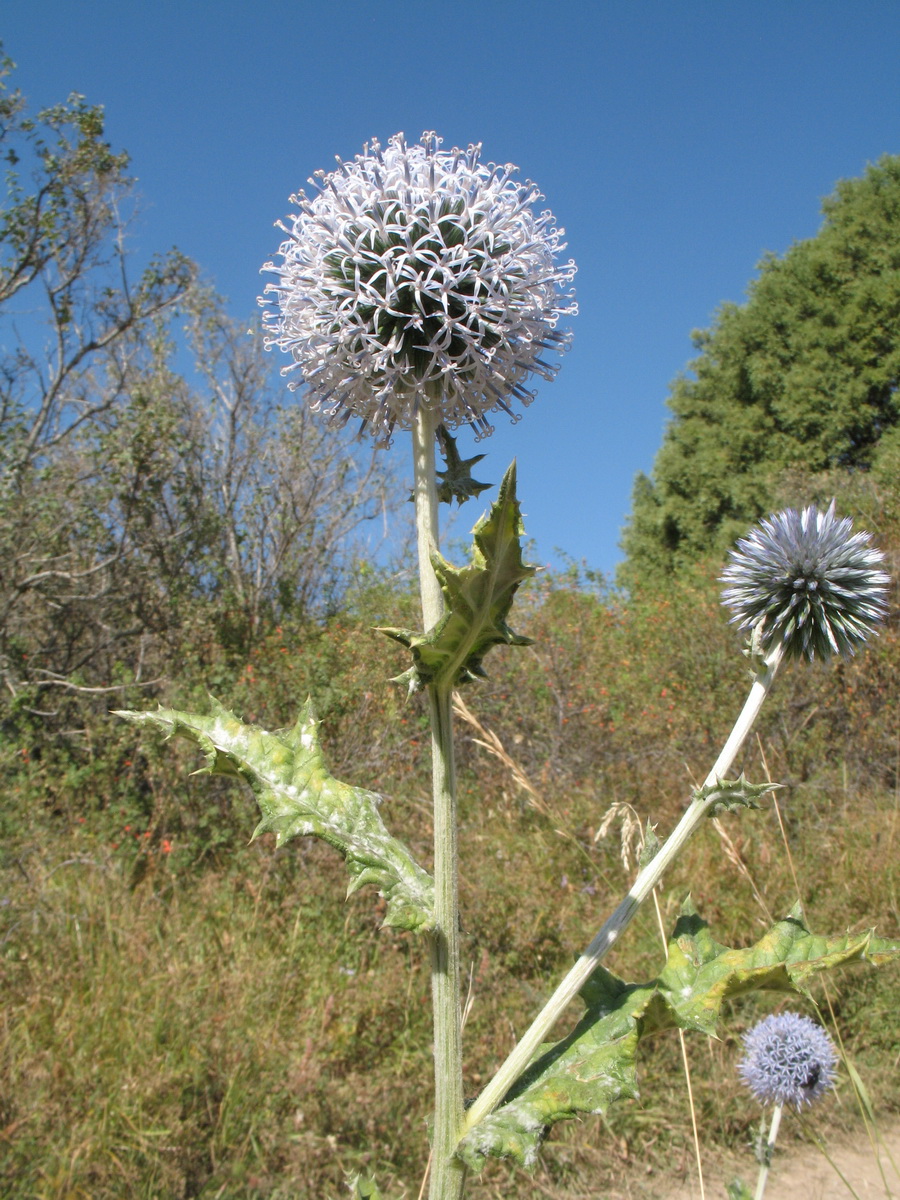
{"points": [[804, 376], [116, 939]]}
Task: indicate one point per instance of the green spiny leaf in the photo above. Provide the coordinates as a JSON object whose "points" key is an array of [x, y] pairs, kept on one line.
{"points": [[297, 797], [364, 1188], [586, 1072], [652, 846], [738, 1190], [478, 598], [595, 1064], [733, 794], [700, 974], [456, 483]]}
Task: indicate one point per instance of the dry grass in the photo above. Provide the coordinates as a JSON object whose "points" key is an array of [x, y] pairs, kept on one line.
{"points": [[218, 1036], [218, 1022]]}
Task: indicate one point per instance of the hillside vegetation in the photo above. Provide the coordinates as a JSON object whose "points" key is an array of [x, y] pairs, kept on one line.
{"points": [[200, 1016], [186, 1014]]}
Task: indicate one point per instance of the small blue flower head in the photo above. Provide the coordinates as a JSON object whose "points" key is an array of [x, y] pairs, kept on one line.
{"points": [[788, 1059], [807, 581]]}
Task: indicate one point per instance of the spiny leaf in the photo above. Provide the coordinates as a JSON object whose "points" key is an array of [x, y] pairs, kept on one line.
{"points": [[478, 598], [297, 797], [652, 846], [586, 1072], [732, 794], [595, 1065], [738, 1190], [456, 483], [364, 1188], [700, 974]]}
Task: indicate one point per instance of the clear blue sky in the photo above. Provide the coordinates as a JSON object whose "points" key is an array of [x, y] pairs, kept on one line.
{"points": [[676, 141]]}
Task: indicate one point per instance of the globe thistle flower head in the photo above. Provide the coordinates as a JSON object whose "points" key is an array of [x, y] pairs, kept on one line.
{"points": [[788, 1059], [806, 581], [416, 276]]}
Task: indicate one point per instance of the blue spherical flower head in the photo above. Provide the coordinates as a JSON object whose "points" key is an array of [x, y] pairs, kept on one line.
{"points": [[806, 581], [788, 1059], [418, 277]]}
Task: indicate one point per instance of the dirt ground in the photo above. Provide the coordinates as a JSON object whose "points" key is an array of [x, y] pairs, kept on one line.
{"points": [[803, 1173]]}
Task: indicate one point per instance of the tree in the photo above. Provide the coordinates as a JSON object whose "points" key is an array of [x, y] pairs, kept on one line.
{"points": [[804, 376], [65, 240], [288, 492], [72, 346], [138, 502]]}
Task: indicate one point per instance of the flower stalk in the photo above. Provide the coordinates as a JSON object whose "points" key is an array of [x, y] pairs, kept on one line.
{"points": [[767, 1151], [648, 877], [447, 1172], [426, 499], [788, 1059]]}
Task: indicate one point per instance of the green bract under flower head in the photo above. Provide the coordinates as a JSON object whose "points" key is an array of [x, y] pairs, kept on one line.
{"points": [[806, 581], [788, 1059], [416, 277]]}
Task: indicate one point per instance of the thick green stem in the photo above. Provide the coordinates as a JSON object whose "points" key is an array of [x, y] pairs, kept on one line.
{"points": [[447, 1172], [648, 877]]}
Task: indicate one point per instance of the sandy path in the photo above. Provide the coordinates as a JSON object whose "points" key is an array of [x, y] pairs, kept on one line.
{"points": [[804, 1174]]}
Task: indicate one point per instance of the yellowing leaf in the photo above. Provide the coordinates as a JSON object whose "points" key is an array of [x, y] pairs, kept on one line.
{"points": [[595, 1064]]}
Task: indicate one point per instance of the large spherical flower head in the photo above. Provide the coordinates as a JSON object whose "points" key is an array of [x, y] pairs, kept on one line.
{"points": [[805, 580], [416, 277], [788, 1059]]}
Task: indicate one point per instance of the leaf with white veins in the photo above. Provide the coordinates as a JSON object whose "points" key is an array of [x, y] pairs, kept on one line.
{"points": [[297, 797]]}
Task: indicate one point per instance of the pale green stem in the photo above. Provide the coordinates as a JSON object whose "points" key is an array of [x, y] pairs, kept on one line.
{"points": [[425, 495], [648, 877], [767, 1153], [447, 1172]]}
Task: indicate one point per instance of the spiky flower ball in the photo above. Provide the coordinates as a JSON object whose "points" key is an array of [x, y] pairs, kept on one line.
{"points": [[788, 1059], [418, 276], [807, 581]]}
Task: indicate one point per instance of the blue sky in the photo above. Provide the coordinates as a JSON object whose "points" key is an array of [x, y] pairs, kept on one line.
{"points": [[676, 142]]}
